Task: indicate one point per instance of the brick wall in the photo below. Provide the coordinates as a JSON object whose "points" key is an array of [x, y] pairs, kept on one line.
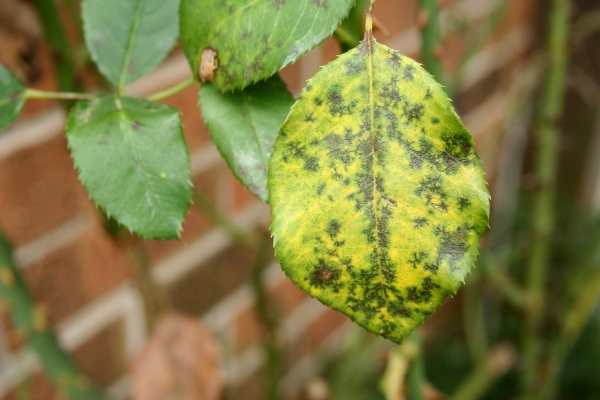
{"points": [[84, 278]]}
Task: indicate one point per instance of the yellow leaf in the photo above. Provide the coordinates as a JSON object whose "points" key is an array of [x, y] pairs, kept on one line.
{"points": [[378, 196]]}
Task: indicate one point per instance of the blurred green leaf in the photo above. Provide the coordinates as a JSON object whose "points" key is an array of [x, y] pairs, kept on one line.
{"points": [[244, 126], [12, 97], [255, 39], [352, 29], [133, 161], [129, 38]]}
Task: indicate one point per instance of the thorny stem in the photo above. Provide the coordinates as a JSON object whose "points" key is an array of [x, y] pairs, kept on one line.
{"points": [[543, 222], [31, 321]]}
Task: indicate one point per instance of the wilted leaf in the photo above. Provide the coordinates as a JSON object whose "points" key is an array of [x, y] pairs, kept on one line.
{"points": [[181, 361], [133, 161], [129, 38], [255, 39], [244, 126], [378, 195], [12, 97]]}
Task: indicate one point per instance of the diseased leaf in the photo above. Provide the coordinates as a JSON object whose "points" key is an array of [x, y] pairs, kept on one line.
{"points": [[133, 161], [244, 126], [129, 38], [12, 97], [378, 195], [255, 39]]}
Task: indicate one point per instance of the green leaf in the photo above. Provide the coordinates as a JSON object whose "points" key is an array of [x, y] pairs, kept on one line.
{"points": [[133, 161], [352, 29], [378, 195], [255, 39], [244, 126], [129, 38], [12, 97]]}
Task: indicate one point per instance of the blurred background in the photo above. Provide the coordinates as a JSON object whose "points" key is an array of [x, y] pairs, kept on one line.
{"points": [[212, 316]]}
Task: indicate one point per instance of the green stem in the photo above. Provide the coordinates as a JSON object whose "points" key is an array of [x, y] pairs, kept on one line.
{"points": [[31, 322], [153, 296], [265, 312], [431, 37], [506, 286], [56, 36], [44, 95], [48, 95], [577, 317], [543, 222], [415, 376], [268, 320], [173, 90], [206, 206], [494, 365], [475, 330]]}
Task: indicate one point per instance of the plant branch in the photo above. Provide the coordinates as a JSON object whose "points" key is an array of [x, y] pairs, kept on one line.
{"points": [[45, 95], [32, 322], [511, 292], [173, 90], [269, 321], [543, 222], [474, 324], [497, 362]]}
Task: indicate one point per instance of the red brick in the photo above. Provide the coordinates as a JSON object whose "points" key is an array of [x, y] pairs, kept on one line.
{"points": [[103, 359], [75, 275], [39, 191]]}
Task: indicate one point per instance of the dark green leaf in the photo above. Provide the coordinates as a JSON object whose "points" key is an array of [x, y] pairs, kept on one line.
{"points": [[378, 195], [12, 97], [244, 126], [255, 39], [128, 38], [133, 161], [352, 29]]}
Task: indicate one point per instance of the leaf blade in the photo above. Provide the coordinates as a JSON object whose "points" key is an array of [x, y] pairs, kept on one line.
{"points": [[379, 199], [255, 39], [12, 97], [244, 126], [133, 161], [129, 38]]}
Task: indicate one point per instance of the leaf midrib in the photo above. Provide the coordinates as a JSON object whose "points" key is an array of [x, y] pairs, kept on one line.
{"points": [[370, 44], [130, 43], [247, 112]]}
